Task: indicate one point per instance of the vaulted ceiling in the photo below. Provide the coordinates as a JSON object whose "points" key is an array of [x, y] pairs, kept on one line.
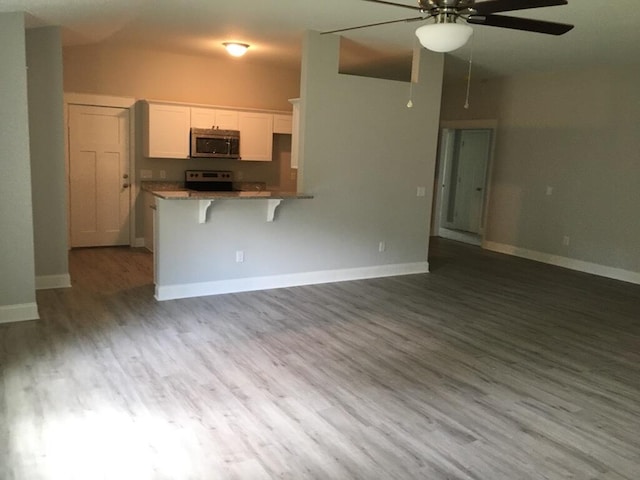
{"points": [[606, 32]]}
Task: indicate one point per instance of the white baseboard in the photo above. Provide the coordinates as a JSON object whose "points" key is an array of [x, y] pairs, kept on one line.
{"points": [[18, 313], [170, 292], [46, 282], [139, 242], [570, 263], [465, 237]]}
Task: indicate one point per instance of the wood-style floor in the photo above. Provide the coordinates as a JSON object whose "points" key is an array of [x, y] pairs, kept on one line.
{"points": [[488, 368]]}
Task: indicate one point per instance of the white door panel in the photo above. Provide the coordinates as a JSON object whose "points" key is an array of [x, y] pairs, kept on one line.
{"points": [[99, 176]]}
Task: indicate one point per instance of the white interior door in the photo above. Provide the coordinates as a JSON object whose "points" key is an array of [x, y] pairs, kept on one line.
{"points": [[99, 175]]}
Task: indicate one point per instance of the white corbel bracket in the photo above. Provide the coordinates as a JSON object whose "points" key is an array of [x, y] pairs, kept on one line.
{"points": [[272, 204], [203, 206]]}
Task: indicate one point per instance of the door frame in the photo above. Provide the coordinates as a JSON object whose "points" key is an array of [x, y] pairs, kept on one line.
{"points": [[105, 101], [482, 124]]}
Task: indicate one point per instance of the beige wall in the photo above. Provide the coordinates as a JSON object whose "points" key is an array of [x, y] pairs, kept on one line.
{"points": [[161, 75], [576, 132]]}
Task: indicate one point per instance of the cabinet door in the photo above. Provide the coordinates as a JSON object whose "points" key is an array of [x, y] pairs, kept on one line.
{"points": [[282, 123], [295, 133], [203, 117], [167, 131], [227, 119], [214, 118], [256, 136]]}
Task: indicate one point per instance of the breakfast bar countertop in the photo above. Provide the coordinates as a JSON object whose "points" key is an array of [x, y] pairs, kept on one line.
{"points": [[168, 190], [196, 195]]}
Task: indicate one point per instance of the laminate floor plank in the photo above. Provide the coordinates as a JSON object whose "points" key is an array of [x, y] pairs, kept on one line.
{"points": [[489, 368]]}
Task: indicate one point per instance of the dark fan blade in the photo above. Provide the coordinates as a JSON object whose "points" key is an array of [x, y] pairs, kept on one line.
{"points": [[414, 19], [538, 26], [495, 6], [394, 4]]}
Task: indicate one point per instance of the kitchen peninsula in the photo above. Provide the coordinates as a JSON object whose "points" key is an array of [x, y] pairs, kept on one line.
{"points": [[202, 227], [205, 199]]}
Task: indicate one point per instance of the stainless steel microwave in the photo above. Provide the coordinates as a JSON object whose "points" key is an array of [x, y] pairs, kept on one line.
{"points": [[215, 143]]}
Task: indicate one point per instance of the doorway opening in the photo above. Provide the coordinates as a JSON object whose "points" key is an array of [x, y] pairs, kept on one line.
{"points": [[464, 160]]}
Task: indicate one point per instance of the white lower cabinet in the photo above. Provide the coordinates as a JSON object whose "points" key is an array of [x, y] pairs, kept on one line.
{"points": [[256, 136]]}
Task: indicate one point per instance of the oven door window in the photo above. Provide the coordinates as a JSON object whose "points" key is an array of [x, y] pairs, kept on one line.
{"points": [[213, 146]]}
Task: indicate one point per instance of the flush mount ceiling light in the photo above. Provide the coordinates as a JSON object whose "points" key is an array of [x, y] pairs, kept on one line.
{"points": [[445, 35], [236, 49]]}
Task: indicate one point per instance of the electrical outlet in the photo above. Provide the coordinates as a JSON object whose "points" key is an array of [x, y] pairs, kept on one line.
{"points": [[146, 174], [549, 190], [163, 174], [565, 240], [239, 175], [382, 246], [421, 192], [239, 256]]}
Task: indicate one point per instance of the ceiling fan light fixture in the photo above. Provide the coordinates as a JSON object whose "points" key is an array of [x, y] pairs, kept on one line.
{"points": [[444, 37], [236, 49]]}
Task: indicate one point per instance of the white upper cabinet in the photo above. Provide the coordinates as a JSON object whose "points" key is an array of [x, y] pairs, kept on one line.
{"points": [[167, 130], [256, 136], [295, 133], [214, 118], [227, 120], [282, 123]]}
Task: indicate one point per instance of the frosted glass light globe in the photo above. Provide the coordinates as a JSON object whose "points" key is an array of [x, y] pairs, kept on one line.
{"points": [[236, 49], [443, 37]]}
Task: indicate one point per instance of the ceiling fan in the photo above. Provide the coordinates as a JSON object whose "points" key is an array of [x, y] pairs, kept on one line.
{"points": [[446, 35]]}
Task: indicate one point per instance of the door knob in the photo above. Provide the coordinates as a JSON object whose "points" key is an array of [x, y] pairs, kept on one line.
{"points": [[125, 185], [126, 175]]}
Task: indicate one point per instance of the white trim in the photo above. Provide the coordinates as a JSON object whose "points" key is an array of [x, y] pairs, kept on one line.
{"points": [[99, 100], [46, 282], [170, 292], [106, 101], [570, 263], [488, 123], [19, 313], [458, 236], [482, 124]]}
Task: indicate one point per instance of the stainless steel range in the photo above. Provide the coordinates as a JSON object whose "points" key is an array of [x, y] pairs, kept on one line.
{"points": [[209, 180]]}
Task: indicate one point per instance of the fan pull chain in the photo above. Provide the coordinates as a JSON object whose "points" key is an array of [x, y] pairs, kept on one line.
{"points": [[466, 101], [414, 70]]}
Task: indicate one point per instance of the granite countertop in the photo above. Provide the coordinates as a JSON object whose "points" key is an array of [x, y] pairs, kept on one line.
{"points": [[175, 191], [194, 195]]}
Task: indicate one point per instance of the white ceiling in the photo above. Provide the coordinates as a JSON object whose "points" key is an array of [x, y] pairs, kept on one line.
{"points": [[606, 31]]}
